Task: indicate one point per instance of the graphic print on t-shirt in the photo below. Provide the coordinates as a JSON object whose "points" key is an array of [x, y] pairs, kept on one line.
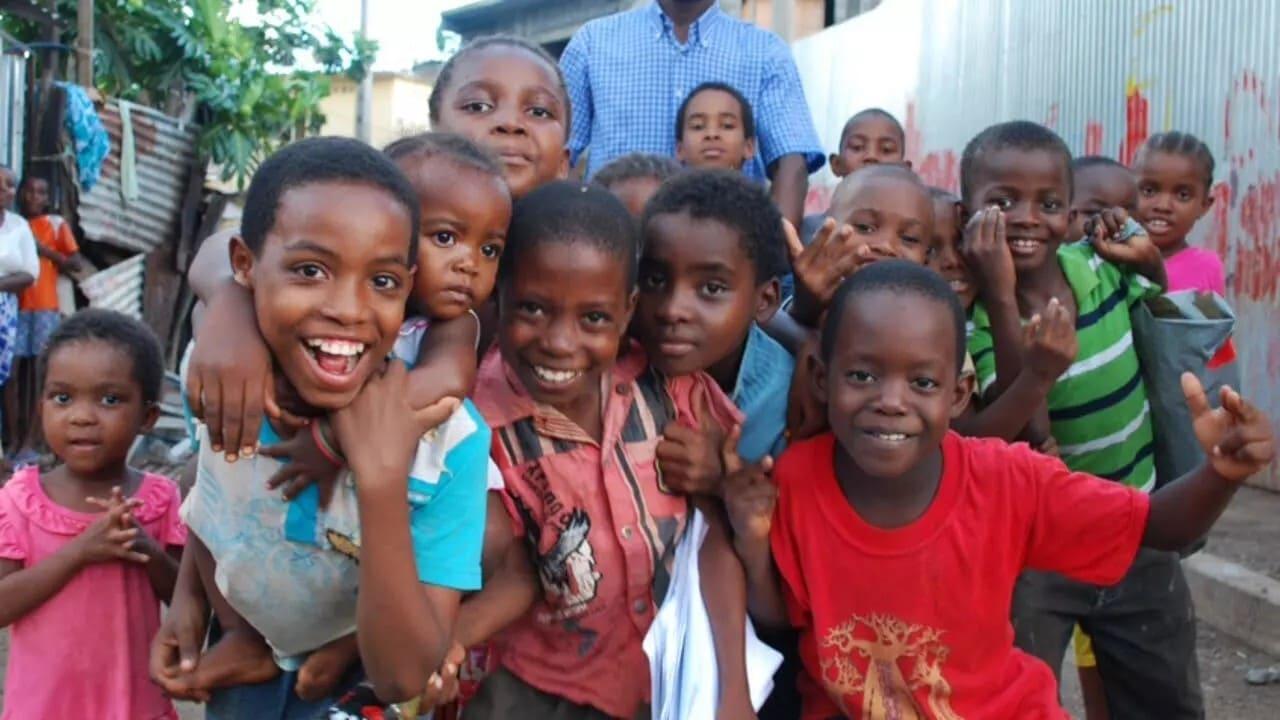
{"points": [[568, 570], [897, 661]]}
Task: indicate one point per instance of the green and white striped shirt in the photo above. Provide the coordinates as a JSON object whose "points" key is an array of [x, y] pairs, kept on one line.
{"points": [[1098, 410]]}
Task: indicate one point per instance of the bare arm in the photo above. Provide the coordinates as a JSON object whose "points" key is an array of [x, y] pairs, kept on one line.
{"points": [[1184, 510], [509, 589], [162, 569], [1008, 415], [790, 176], [446, 363], [724, 591], [211, 267], [15, 282]]}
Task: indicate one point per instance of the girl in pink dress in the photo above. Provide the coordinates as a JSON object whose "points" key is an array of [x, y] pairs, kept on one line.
{"points": [[88, 551]]}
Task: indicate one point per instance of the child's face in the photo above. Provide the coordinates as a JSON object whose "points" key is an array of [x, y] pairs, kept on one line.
{"points": [[892, 386], [563, 314], [507, 100], [329, 286], [869, 141], [891, 216], [8, 186], [699, 295], [465, 213], [1171, 196], [91, 406], [714, 136], [1033, 188], [946, 259], [1097, 188], [35, 197], [635, 193]]}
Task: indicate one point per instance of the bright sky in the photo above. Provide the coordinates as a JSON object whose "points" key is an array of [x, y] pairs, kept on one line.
{"points": [[405, 29]]}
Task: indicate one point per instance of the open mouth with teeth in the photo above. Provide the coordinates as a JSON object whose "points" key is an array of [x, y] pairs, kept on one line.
{"points": [[1158, 226], [335, 356], [552, 376], [1024, 246], [885, 436]]}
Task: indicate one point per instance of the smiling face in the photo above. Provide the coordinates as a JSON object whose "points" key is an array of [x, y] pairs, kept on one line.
{"points": [[507, 100], [1097, 188], [946, 259], [329, 286], [714, 135], [563, 313], [891, 215], [698, 297], [892, 387], [91, 406], [1033, 188], [871, 140], [465, 213], [1171, 196]]}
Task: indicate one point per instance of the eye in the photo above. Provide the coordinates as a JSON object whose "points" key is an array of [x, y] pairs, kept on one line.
{"points": [[595, 317], [444, 238], [529, 308], [1052, 206], [1147, 190], [492, 251], [910, 239], [541, 113], [386, 282], [60, 398], [714, 288], [864, 228], [310, 271], [476, 106], [1003, 203], [652, 280], [111, 400], [924, 383], [1184, 195], [860, 377]]}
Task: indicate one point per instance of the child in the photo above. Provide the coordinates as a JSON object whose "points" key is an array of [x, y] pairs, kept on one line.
{"points": [[715, 128], [19, 266], [1098, 184], [88, 550], [577, 417], [38, 307], [870, 137], [634, 178], [507, 95], [713, 252], [330, 310], [1097, 412], [1175, 174], [896, 544]]}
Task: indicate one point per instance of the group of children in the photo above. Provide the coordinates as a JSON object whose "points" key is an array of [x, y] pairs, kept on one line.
{"points": [[492, 399]]}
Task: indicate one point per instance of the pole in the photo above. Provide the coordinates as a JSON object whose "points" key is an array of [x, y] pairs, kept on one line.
{"points": [[84, 43], [783, 17], [364, 94]]}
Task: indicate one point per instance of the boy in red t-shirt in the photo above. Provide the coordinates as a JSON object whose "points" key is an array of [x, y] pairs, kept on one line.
{"points": [[896, 543]]}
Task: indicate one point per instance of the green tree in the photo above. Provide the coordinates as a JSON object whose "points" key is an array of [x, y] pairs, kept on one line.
{"points": [[249, 81]]}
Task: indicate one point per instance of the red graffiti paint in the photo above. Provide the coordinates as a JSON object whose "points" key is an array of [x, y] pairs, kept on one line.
{"points": [[1093, 138], [1051, 120], [1220, 239], [1136, 109], [941, 169], [1258, 253]]}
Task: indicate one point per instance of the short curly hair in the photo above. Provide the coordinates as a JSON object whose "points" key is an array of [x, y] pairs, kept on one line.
{"points": [[634, 166], [744, 105], [734, 201], [445, 77], [131, 337], [1018, 134]]}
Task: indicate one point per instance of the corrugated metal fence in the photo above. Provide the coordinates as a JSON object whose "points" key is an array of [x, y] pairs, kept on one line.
{"points": [[163, 152], [1104, 74], [13, 104]]}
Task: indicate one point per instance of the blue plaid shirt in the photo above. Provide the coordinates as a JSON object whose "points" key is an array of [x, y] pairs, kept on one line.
{"points": [[627, 75]]}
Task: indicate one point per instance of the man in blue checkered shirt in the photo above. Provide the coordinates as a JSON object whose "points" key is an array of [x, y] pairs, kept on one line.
{"points": [[628, 73]]}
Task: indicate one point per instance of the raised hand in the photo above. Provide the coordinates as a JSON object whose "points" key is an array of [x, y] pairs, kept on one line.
{"points": [[1236, 436], [986, 253], [1051, 343], [821, 267], [112, 537], [1120, 240], [749, 493], [305, 464], [442, 686], [690, 458]]}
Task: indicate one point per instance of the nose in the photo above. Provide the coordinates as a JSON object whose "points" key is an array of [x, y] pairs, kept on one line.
{"points": [[347, 301], [885, 245], [1023, 214], [467, 262], [673, 307], [892, 399], [1163, 203], [561, 338], [82, 414], [508, 121]]}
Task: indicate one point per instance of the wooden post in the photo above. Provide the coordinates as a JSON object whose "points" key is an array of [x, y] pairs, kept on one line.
{"points": [[84, 43]]}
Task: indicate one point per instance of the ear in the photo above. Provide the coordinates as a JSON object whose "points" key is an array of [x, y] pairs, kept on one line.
{"points": [[631, 308], [817, 371], [1071, 216], [768, 298], [242, 261], [563, 171], [837, 165], [1208, 203], [963, 394], [749, 148], [680, 152], [149, 417]]}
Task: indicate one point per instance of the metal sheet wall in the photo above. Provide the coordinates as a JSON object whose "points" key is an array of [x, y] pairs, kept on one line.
{"points": [[1103, 74], [164, 151], [13, 104]]}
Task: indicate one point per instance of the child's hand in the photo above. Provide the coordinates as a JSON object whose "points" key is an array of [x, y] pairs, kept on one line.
{"points": [[806, 412], [143, 542], [230, 376], [305, 464], [379, 430], [1051, 343], [442, 686], [689, 459], [1119, 240], [749, 493], [986, 252], [111, 537], [1236, 437], [821, 267]]}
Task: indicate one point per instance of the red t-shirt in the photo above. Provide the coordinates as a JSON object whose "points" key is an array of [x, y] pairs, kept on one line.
{"points": [[914, 622]]}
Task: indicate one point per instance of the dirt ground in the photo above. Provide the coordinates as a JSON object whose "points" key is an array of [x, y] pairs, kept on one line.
{"points": [[1249, 532]]}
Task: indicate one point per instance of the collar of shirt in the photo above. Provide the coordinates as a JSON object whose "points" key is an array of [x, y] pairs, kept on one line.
{"points": [[697, 30]]}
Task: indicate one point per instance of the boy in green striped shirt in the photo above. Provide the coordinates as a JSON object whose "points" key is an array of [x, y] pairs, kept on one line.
{"points": [[1143, 628]]}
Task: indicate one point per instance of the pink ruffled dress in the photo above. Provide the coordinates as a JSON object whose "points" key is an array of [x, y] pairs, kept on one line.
{"points": [[84, 652]]}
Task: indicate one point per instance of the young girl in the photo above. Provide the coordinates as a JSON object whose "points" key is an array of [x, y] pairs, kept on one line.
{"points": [[19, 266], [1175, 173], [87, 551], [634, 178], [577, 417], [38, 307]]}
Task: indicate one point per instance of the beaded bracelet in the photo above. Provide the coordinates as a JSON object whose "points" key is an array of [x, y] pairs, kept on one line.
{"points": [[322, 443]]}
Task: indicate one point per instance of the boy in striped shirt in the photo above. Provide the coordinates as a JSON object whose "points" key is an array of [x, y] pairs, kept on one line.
{"points": [[1143, 627]]}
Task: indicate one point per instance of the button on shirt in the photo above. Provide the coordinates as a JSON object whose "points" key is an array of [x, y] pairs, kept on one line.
{"points": [[628, 73], [601, 523]]}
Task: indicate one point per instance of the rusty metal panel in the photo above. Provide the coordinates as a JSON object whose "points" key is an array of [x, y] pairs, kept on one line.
{"points": [[118, 288], [1105, 75], [13, 103], [164, 152]]}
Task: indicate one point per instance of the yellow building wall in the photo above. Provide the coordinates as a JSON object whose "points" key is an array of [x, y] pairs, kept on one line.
{"points": [[399, 108]]}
